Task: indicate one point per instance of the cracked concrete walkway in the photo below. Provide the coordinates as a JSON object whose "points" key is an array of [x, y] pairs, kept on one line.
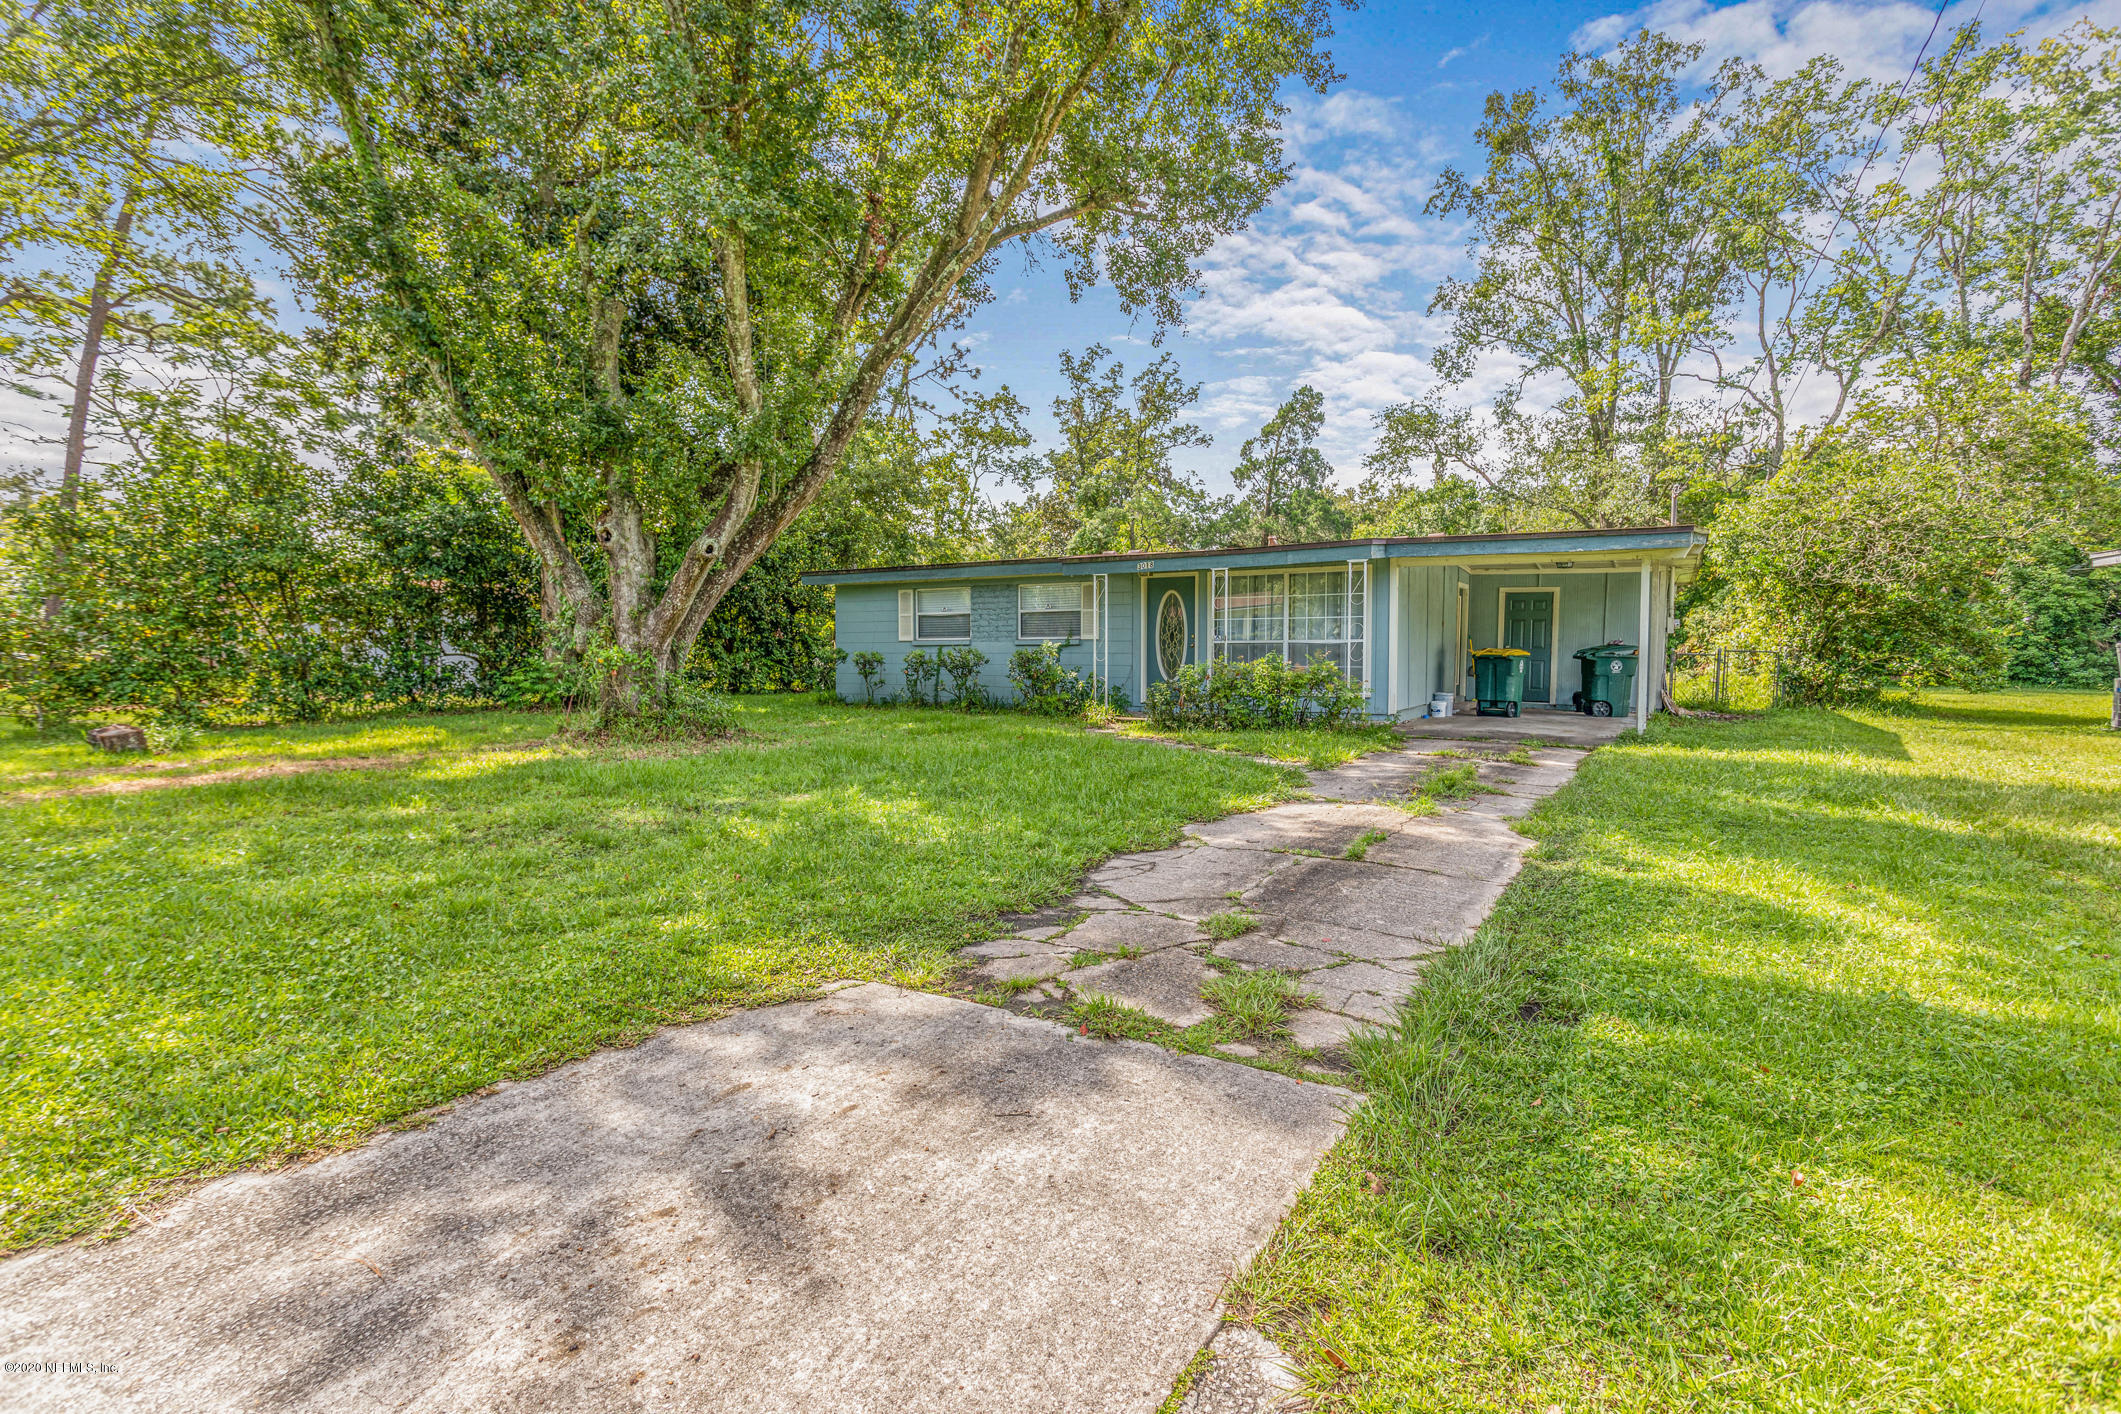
{"points": [[1350, 894]]}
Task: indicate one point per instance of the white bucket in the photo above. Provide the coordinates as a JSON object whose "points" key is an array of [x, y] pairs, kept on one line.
{"points": [[1440, 704]]}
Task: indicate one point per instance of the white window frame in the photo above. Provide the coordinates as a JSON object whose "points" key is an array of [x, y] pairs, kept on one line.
{"points": [[1086, 616], [919, 613], [1356, 611], [1358, 620], [1100, 590]]}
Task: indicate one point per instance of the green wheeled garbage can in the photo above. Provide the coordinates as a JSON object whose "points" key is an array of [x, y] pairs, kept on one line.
{"points": [[1608, 679], [1498, 681]]}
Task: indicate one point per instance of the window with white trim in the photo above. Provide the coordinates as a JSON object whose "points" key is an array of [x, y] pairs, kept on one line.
{"points": [[1052, 611], [943, 615], [1297, 615]]}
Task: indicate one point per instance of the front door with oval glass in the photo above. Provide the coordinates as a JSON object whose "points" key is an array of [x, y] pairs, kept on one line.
{"points": [[1173, 627]]}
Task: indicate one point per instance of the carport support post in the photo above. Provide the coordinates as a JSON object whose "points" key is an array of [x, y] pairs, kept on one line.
{"points": [[1642, 653]]}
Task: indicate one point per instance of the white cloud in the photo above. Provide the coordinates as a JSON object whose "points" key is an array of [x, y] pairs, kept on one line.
{"points": [[1460, 51], [1873, 39], [1328, 285]]}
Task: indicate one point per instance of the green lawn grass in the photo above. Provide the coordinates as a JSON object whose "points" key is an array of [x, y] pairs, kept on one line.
{"points": [[34, 765], [1786, 1077], [1299, 746], [213, 975]]}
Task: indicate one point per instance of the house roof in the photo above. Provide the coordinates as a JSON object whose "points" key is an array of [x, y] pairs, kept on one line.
{"points": [[1662, 541]]}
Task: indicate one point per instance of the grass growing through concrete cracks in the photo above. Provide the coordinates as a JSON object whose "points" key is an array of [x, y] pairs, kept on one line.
{"points": [[1090, 957], [1109, 1020], [1361, 847], [997, 993], [1258, 1002], [1786, 1077], [1230, 923], [1517, 756], [1457, 783], [1187, 1378]]}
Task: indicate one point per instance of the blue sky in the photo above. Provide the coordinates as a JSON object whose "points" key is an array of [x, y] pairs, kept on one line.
{"points": [[1329, 284]]}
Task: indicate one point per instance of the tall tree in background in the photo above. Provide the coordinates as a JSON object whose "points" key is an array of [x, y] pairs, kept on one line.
{"points": [[1285, 480], [1599, 264], [1111, 483], [650, 264], [121, 125]]}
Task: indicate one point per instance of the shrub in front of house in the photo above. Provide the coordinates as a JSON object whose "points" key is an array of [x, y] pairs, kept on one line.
{"points": [[1045, 686], [1264, 693]]}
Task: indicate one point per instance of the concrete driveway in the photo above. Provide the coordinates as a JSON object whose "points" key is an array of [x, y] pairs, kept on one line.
{"points": [[882, 1201]]}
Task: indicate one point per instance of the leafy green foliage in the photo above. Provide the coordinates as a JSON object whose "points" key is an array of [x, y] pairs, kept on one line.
{"points": [[871, 668], [652, 268], [1044, 686], [1111, 483], [205, 578], [1285, 481], [921, 673], [442, 571], [1877, 556], [234, 578], [2063, 623], [961, 665], [1265, 693]]}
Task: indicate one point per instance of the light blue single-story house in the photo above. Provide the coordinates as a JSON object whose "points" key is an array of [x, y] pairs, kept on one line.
{"points": [[1399, 613]]}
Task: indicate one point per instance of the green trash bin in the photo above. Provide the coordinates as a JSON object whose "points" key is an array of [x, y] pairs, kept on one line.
{"points": [[1608, 679], [1498, 681]]}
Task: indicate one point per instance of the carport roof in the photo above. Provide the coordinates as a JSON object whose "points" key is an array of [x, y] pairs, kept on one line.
{"points": [[1661, 542]]}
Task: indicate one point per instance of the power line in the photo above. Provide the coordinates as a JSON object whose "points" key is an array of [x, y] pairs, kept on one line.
{"points": [[1877, 145]]}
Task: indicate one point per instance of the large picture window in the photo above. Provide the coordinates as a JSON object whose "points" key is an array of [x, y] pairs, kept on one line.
{"points": [[943, 615], [1050, 611], [1297, 615]]}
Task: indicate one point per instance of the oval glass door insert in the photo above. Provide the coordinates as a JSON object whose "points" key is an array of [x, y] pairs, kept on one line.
{"points": [[1171, 634]]}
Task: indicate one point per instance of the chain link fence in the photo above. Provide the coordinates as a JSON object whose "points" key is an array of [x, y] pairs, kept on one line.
{"points": [[1724, 679]]}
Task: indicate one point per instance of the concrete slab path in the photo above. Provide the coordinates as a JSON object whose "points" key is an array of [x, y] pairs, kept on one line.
{"points": [[886, 1201], [1545, 724], [1349, 893]]}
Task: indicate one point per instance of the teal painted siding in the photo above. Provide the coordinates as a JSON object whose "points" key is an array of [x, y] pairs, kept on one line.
{"points": [[1416, 648], [1594, 609], [1428, 609], [865, 620]]}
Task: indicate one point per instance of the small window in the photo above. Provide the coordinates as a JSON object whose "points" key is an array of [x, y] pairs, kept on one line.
{"points": [[1046, 611], [942, 615]]}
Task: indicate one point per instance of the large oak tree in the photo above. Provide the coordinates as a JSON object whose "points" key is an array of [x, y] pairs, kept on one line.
{"points": [[650, 264]]}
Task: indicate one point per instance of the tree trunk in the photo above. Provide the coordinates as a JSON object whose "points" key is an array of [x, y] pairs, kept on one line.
{"points": [[85, 385]]}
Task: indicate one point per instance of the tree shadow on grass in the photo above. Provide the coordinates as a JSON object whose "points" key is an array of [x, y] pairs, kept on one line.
{"points": [[1795, 729], [262, 968], [1985, 710]]}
